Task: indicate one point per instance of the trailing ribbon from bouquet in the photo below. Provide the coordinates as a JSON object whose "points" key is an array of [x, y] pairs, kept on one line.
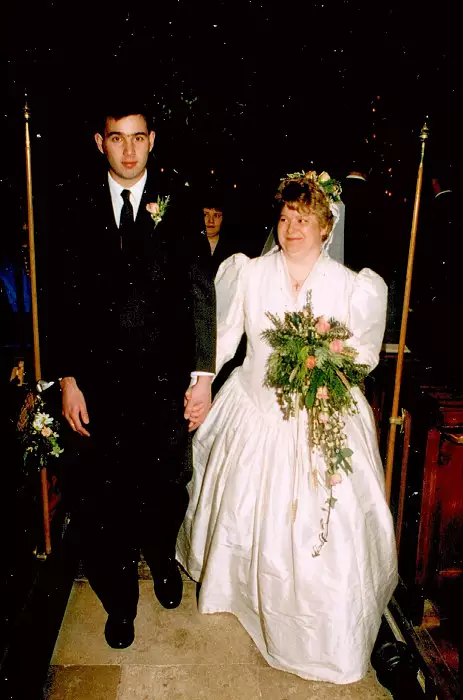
{"points": [[312, 368]]}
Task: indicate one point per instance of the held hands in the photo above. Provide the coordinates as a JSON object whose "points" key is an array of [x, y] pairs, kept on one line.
{"points": [[197, 402], [74, 406]]}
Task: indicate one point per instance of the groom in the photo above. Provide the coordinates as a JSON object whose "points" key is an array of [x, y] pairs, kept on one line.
{"points": [[132, 336]]}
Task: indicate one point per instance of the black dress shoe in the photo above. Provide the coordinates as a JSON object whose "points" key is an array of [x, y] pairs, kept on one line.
{"points": [[168, 585], [119, 632]]}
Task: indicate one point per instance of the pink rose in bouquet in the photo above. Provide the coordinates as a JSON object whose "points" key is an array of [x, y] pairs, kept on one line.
{"points": [[336, 345], [322, 326]]}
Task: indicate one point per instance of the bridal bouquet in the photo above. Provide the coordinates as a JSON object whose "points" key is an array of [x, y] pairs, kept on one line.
{"points": [[39, 433], [312, 368]]}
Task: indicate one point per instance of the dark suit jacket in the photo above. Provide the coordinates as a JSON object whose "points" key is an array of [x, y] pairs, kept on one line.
{"points": [[129, 324]]}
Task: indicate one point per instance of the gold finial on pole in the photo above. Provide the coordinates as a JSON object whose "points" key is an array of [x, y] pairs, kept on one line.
{"points": [[424, 134], [394, 419], [35, 315]]}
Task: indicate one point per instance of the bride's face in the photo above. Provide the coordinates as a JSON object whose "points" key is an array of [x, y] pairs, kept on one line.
{"points": [[299, 232]]}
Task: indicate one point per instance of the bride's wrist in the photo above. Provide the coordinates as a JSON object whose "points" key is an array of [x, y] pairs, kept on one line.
{"points": [[204, 379]]}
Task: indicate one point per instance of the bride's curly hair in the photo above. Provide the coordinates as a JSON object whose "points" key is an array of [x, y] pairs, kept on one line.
{"points": [[305, 194]]}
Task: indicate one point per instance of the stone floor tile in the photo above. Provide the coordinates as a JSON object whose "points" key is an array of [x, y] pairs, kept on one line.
{"points": [[277, 685], [143, 571], [233, 682], [181, 636], [82, 683]]}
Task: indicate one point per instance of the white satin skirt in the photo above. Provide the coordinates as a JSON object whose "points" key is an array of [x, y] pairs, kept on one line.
{"points": [[254, 520]]}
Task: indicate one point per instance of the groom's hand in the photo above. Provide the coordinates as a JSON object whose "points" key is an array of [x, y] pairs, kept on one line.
{"points": [[74, 406], [197, 402]]}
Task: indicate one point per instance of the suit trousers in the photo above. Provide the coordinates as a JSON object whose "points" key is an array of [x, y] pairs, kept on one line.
{"points": [[125, 487]]}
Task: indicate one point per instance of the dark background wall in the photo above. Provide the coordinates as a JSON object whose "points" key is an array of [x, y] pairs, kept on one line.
{"points": [[249, 90]]}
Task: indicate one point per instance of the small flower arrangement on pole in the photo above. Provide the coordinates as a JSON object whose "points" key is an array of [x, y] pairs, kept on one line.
{"points": [[39, 433], [312, 368]]}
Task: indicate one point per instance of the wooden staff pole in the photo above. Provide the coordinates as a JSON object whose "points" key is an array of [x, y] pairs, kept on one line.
{"points": [[30, 223], [35, 318], [394, 419]]}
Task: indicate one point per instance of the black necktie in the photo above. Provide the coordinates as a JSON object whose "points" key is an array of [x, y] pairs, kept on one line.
{"points": [[126, 221], [127, 210]]}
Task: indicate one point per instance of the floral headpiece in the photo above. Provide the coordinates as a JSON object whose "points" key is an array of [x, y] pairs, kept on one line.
{"points": [[330, 187]]}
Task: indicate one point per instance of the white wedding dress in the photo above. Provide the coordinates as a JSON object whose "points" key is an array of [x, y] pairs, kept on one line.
{"points": [[317, 617]]}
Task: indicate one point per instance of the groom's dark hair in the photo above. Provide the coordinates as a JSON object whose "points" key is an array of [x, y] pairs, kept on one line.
{"points": [[119, 111]]}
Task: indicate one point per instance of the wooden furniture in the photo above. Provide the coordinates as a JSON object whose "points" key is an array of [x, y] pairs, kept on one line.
{"points": [[427, 504], [440, 539]]}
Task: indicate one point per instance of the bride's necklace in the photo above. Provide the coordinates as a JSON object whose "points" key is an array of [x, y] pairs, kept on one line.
{"points": [[297, 284]]}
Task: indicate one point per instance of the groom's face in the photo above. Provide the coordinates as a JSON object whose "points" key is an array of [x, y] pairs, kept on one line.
{"points": [[126, 144]]}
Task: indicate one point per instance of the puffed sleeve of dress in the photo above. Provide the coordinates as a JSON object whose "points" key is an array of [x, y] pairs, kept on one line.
{"points": [[230, 292], [367, 316]]}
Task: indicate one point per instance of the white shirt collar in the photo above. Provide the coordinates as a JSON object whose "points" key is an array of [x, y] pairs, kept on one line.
{"points": [[136, 193]]}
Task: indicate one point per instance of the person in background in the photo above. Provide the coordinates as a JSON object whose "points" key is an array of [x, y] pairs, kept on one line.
{"points": [[223, 238], [15, 294], [223, 243], [213, 220]]}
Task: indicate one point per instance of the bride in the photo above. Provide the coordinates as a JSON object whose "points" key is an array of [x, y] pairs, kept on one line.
{"points": [[317, 617]]}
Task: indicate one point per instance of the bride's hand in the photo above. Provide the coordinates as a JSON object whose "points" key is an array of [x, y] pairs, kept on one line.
{"points": [[74, 406], [197, 402]]}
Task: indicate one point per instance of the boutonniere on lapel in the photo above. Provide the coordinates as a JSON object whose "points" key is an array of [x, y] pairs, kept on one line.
{"points": [[158, 209]]}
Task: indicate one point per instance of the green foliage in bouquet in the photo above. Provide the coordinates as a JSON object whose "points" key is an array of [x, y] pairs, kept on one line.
{"points": [[312, 368]]}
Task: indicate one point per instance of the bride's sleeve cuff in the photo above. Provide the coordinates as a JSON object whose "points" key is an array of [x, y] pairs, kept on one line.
{"points": [[194, 376]]}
